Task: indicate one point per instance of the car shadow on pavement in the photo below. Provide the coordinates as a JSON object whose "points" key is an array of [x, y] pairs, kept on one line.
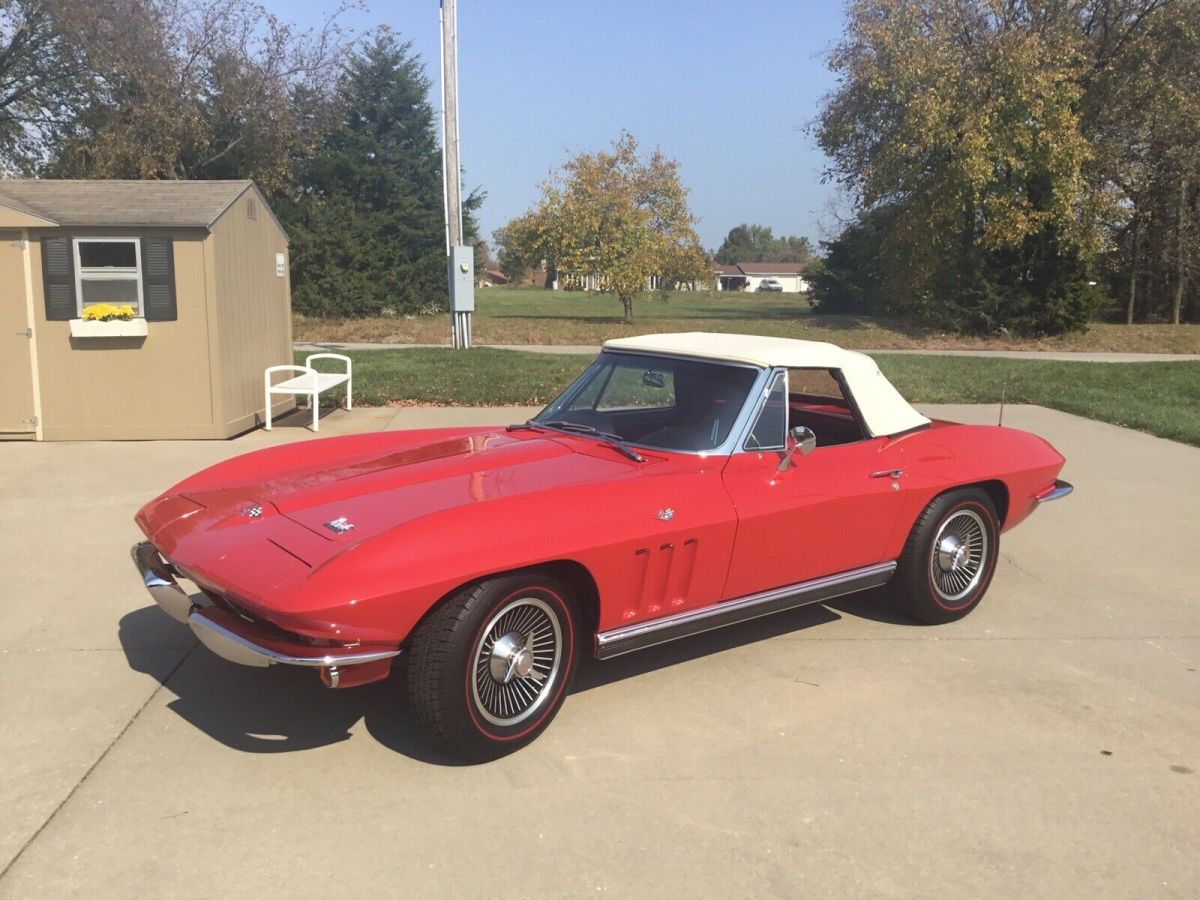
{"points": [[278, 709], [873, 605], [281, 709], [301, 416], [594, 673]]}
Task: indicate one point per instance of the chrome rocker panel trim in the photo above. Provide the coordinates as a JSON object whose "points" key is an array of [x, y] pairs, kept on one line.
{"points": [[641, 635], [1061, 489], [159, 577]]}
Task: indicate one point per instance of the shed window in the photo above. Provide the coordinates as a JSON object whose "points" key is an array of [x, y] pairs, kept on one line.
{"points": [[108, 270]]}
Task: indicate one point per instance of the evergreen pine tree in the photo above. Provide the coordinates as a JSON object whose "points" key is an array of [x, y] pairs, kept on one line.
{"points": [[366, 216]]}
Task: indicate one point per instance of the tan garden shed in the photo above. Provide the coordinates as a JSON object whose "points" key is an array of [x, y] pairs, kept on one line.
{"points": [[203, 266]]}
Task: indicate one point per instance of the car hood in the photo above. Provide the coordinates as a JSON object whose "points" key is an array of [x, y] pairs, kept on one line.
{"points": [[313, 511]]}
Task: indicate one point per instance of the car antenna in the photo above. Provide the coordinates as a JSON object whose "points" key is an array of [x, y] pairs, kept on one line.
{"points": [[1003, 389]]}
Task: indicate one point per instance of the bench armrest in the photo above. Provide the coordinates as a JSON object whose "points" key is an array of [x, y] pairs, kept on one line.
{"points": [[303, 370], [308, 360]]}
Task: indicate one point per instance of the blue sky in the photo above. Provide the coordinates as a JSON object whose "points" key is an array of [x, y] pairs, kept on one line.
{"points": [[726, 88]]}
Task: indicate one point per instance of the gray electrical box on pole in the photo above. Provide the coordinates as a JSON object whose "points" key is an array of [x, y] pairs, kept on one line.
{"points": [[461, 258], [462, 279]]}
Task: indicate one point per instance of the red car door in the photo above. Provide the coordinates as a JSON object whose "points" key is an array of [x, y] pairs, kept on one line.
{"points": [[828, 512]]}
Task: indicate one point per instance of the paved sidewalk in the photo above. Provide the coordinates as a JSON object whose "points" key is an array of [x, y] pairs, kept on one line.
{"points": [[1048, 745], [592, 350]]}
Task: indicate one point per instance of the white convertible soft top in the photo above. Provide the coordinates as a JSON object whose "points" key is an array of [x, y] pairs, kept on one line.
{"points": [[882, 408]]}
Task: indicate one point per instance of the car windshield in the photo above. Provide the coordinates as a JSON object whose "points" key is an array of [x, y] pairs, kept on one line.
{"points": [[653, 401]]}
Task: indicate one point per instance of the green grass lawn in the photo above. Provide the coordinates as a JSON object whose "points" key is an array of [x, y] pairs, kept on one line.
{"points": [[1160, 398], [479, 377], [536, 316]]}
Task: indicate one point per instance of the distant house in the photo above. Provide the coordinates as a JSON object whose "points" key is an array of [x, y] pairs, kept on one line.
{"points": [[491, 277], [584, 281], [746, 276], [729, 278], [580, 280], [192, 277], [593, 281]]}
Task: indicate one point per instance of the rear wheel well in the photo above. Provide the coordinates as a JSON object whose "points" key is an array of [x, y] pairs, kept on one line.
{"points": [[997, 492]]}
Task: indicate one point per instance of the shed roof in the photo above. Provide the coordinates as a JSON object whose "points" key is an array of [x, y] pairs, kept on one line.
{"points": [[883, 410], [120, 203]]}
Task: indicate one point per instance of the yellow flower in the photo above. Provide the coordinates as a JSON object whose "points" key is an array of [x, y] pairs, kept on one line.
{"points": [[104, 312]]}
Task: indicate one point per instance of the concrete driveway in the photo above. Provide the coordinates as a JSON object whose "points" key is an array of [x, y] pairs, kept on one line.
{"points": [[1046, 746]]}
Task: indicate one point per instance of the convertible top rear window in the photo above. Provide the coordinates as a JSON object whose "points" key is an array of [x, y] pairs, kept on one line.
{"points": [[656, 401]]}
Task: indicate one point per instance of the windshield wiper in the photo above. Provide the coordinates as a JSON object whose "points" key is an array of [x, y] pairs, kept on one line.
{"points": [[612, 440]]}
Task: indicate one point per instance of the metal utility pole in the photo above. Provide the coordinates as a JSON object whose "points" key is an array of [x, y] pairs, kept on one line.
{"points": [[461, 268]]}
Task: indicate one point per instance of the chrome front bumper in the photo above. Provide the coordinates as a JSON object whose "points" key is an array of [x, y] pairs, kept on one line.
{"points": [[1061, 489], [158, 575]]}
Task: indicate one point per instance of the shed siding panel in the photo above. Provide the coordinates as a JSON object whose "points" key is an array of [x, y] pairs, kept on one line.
{"points": [[15, 218], [16, 374], [131, 388], [253, 308]]}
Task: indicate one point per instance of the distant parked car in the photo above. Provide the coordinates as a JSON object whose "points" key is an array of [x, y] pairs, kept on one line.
{"points": [[769, 284]]}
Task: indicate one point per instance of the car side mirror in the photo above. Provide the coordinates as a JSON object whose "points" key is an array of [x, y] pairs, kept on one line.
{"points": [[651, 378], [802, 439]]}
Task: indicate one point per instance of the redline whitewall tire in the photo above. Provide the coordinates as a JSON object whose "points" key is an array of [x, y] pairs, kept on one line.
{"points": [[489, 669], [949, 559]]}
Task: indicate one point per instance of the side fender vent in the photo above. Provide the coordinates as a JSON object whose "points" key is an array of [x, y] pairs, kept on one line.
{"points": [[662, 578]]}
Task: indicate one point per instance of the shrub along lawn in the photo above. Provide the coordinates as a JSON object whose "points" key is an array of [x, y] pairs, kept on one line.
{"points": [[1161, 398], [536, 316]]}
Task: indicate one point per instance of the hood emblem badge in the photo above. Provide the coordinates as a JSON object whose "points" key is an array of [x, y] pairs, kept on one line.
{"points": [[252, 512], [341, 525], [666, 514]]}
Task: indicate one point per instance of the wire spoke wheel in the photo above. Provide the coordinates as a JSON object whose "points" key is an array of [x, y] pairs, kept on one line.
{"points": [[959, 556], [516, 662], [490, 666]]}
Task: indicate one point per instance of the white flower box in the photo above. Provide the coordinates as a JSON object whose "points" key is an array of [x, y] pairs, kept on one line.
{"points": [[87, 328]]}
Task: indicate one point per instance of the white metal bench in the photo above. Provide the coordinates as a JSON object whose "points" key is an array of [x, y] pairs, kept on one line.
{"points": [[310, 382]]}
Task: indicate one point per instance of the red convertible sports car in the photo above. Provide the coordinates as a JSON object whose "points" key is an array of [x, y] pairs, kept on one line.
{"points": [[683, 482]]}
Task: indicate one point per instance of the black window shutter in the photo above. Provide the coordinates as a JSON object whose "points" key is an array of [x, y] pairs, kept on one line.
{"points": [[158, 280], [58, 279]]}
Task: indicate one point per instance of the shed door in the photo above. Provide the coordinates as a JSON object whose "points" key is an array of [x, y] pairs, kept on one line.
{"points": [[16, 373]]}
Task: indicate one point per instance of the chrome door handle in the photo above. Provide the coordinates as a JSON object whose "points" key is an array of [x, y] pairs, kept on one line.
{"points": [[888, 473]]}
